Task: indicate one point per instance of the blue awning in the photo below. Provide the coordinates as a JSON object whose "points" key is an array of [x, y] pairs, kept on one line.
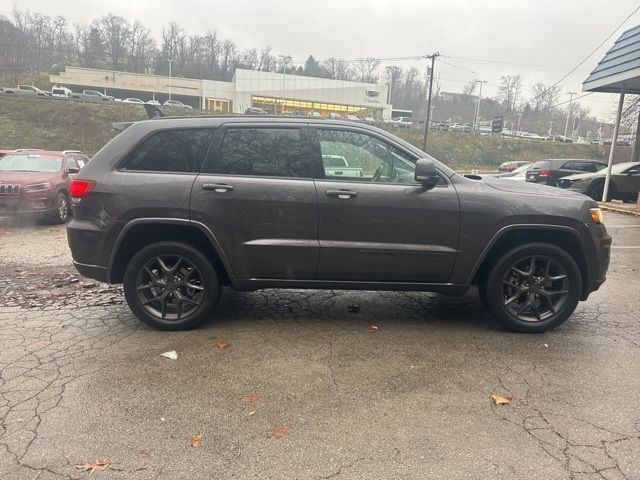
{"points": [[620, 66]]}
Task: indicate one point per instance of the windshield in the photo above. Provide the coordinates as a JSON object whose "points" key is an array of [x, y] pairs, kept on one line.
{"points": [[622, 167], [30, 163]]}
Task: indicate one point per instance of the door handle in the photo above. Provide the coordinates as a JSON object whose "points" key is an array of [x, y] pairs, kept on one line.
{"points": [[342, 193], [217, 187]]}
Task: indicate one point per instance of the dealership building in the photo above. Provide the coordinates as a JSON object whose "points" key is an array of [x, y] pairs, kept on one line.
{"points": [[271, 91]]}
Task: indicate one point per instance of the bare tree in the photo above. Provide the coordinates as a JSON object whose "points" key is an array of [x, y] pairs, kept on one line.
{"points": [[544, 97], [338, 69], [469, 87], [509, 91], [116, 33], [365, 69]]}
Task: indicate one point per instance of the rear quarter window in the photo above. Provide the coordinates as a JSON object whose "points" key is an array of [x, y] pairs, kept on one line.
{"points": [[179, 150], [541, 164]]}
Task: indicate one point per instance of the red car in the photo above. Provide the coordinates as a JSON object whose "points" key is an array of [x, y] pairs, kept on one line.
{"points": [[35, 182]]}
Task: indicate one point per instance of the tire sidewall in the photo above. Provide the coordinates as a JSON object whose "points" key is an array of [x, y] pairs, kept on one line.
{"points": [[210, 277], [55, 213], [493, 287]]}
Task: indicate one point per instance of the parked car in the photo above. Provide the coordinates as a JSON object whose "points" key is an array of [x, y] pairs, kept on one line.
{"points": [[36, 183], [519, 174], [624, 184], [245, 202], [313, 114], [255, 111], [176, 104], [297, 112], [352, 118], [511, 166], [548, 172], [404, 122], [531, 136], [334, 116], [92, 96], [155, 103], [26, 90], [440, 126], [134, 101], [370, 120], [60, 92], [621, 142], [336, 166]]}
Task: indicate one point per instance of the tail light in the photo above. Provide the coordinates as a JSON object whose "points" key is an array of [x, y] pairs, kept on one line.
{"points": [[545, 172], [80, 188]]}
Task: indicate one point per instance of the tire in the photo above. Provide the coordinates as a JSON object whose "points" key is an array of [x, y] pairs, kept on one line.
{"points": [[171, 307], [539, 301], [61, 210], [596, 190]]}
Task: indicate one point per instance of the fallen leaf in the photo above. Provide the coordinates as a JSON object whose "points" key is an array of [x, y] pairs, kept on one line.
{"points": [[195, 440], [100, 464], [279, 431], [251, 413], [145, 452], [172, 354], [221, 344], [374, 328], [501, 399], [250, 398]]}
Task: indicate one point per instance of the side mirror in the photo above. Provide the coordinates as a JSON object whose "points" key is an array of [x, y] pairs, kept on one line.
{"points": [[72, 170], [426, 173], [633, 171]]}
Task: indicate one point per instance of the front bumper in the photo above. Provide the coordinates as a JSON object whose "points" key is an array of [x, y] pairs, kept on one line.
{"points": [[25, 204], [599, 259]]}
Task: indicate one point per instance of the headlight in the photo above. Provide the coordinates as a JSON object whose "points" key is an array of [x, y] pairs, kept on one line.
{"points": [[577, 180], [36, 187], [596, 215]]}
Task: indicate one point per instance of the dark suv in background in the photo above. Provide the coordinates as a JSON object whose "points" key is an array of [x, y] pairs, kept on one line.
{"points": [[548, 172], [176, 207]]}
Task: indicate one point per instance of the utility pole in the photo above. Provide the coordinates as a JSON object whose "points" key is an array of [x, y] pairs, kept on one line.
{"points": [[393, 69], [476, 127], [285, 60], [170, 60], [566, 125], [550, 128], [427, 121], [519, 120]]}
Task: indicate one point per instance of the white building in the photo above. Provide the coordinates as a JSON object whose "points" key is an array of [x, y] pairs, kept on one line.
{"points": [[274, 92]]}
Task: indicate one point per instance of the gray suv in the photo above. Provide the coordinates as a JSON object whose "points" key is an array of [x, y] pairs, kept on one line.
{"points": [[175, 208]]}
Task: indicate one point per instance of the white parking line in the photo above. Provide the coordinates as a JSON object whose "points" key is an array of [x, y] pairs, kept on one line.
{"points": [[622, 226], [616, 246]]}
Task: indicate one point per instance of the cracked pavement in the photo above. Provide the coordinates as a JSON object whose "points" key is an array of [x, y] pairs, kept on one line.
{"points": [[81, 379]]}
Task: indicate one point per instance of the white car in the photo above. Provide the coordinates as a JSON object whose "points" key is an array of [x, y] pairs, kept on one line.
{"points": [[353, 118], [176, 104], [314, 114], [135, 101], [155, 103], [402, 122], [60, 92], [334, 116]]}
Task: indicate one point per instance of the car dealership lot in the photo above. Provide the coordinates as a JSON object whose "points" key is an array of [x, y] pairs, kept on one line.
{"points": [[307, 388]]}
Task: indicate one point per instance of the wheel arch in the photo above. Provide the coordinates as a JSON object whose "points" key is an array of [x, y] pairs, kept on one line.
{"points": [[141, 232], [566, 238]]}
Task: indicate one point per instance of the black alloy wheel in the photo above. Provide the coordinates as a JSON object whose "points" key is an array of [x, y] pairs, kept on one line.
{"points": [[533, 287], [61, 209], [170, 286]]}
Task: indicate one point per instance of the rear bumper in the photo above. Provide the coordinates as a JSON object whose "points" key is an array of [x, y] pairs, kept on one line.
{"points": [[95, 272]]}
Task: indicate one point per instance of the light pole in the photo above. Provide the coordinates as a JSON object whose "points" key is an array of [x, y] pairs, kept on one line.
{"points": [[285, 60], [476, 127], [566, 125], [550, 133], [519, 120], [170, 60]]}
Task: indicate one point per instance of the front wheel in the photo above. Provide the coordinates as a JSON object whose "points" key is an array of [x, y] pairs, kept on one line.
{"points": [[171, 286], [533, 288], [61, 209]]}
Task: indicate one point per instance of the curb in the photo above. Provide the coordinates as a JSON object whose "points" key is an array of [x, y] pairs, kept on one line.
{"points": [[619, 210]]}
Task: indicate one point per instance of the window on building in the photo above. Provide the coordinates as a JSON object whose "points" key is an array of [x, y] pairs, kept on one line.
{"points": [[180, 150], [273, 152]]}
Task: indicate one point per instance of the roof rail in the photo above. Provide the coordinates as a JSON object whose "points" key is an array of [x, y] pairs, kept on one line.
{"points": [[20, 150], [64, 152]]}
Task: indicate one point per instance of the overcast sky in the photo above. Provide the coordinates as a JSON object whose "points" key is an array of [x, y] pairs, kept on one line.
{"points": [[540, 39]]}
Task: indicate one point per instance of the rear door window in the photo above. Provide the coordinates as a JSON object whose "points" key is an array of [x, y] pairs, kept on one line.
{"points": [[262, 151], [180, 150]]}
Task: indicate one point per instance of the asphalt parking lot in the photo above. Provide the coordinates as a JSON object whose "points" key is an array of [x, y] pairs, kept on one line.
{"points": [[306, 388]]}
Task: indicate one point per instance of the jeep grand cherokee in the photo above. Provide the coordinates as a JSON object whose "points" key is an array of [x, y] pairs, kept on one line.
{"points": [[176, 207]]}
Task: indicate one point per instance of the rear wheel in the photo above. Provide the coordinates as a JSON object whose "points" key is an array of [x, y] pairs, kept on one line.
{"points": [[597, 189], [171, 286], [533, 288]]}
